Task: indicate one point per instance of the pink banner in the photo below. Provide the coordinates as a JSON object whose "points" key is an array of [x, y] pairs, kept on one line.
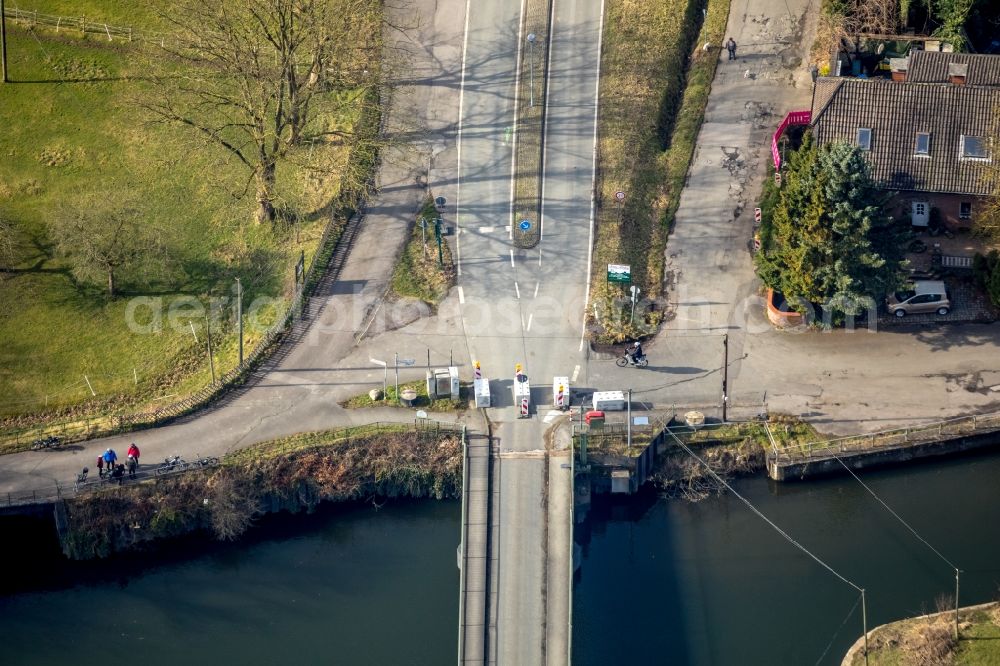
{"points": [[792, 118]]}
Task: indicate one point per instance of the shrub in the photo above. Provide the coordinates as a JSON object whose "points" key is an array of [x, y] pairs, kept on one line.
{"points": [[986, 270]]}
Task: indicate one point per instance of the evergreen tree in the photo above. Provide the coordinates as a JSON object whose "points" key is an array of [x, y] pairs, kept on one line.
{"points": [[831, 241]]}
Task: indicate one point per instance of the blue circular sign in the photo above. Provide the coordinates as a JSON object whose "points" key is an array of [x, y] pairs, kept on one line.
{"points": [[525, 225]]}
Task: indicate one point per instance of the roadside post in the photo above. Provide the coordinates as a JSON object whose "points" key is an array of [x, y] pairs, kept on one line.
{"points": [[531, 66], [635, 295], [437, 234], [385, 374]]}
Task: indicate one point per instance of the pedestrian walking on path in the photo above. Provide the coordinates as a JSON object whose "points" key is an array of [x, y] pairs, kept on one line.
{"points": [[110, 458], [731, 47]]}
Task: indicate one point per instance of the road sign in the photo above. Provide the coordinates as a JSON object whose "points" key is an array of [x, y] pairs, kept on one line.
{"points": [[524, 225], [756, 215], [421, 414], [620, 196], [524, 408], [619, 273], [777, 178], [407, 361], [440, 201]]}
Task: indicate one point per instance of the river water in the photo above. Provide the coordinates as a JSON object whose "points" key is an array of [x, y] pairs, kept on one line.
{"points": [[711, 583], [660, 582], [350, 585]]}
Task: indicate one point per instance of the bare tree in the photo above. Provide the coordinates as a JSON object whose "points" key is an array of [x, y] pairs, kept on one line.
{"points": [[987, 220], [103, 239], [252, 71]]}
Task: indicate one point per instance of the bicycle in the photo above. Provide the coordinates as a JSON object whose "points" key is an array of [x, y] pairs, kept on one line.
{"points": [[50, 441], [209, 461], [170, 464]]}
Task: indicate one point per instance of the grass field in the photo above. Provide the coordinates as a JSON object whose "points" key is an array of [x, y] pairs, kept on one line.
{"points": [[654, 87], [71, 129]]}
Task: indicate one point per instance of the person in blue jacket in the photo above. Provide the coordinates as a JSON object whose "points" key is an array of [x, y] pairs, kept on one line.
{"points": [[110, 458]]}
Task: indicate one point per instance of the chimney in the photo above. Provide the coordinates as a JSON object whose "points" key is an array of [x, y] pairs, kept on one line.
{"points": [[898, 67], [957, 72]]}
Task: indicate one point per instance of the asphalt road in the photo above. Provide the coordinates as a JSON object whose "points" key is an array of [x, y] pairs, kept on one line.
{"points": [[526, 306]]}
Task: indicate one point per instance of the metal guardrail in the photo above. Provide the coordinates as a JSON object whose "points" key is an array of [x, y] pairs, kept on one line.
{"points": [[50, 494], [887, 439]]}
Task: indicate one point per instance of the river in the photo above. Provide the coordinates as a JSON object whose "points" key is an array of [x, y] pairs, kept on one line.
{"points": [[660, 582], [711, 583], [346, 585]]}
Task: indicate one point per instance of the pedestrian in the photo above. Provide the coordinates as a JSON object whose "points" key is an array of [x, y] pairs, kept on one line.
{"points": [[133, 452], [110, 458], [100, 466], [132, 464], [731, 47], [118, 474]]}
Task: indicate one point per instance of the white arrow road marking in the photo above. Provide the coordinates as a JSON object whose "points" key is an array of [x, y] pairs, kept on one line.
{"points": [[576, 373]]}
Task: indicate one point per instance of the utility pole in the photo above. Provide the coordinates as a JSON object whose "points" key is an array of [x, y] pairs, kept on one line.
{"points": [[239, 315], [956, 604], [864, 623], [395, 363], [208, 332], [725, 374], [628, 446], [3, 41]]}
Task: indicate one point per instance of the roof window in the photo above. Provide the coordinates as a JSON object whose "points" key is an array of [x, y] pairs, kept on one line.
{"points": [[865, 138], [923, 144], [973, 148]]}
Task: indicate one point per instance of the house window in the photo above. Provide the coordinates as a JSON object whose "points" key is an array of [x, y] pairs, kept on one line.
{"points": [[923, 145], [865, 138], [965, 210], [974, 148]]}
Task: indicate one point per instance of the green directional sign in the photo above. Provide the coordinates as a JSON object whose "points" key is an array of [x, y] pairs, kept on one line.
{"points": [[619, 273]]}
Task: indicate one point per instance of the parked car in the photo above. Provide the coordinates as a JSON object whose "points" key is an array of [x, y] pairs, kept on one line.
{"points": [[922, 296]]}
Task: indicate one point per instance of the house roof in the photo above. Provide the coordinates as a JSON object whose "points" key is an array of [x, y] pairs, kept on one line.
{"points": [[934, 66], [895, 113]]}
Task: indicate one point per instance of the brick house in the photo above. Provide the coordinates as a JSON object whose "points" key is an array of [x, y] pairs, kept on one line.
{"points": [[927, 133]]}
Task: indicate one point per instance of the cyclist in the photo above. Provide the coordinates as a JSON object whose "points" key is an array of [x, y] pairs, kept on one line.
{"points": [[634, 353]]}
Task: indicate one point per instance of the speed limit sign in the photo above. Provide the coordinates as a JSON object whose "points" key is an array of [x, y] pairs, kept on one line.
{"points": [[620, 196]]}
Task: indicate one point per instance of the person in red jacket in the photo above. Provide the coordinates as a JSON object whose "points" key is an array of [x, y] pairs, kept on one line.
{"points": [[133, 459]]}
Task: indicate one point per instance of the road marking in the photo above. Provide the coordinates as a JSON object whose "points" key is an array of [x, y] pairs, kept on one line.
{"points": [[593, 179], [458, 174], [539, 252], [551, 416], [486, 230], [528, 327], [513, 142], [512, 259], [537, 284], [576, 373], [537, 453], [461, 295], [518, 290]]}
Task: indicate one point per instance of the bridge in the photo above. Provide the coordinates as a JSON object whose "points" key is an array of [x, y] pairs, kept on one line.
{"points": [[523, 307]]}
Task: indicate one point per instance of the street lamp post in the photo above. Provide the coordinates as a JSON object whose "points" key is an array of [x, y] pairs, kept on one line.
{"points": [[385, 375], [239, 315], [531, 61], [3, 41]]}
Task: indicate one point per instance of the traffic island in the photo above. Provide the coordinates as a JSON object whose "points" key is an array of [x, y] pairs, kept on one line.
{"points": [[411, 395]]}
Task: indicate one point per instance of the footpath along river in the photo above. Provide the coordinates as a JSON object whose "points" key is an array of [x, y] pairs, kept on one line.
{"points": [[661, 581]]}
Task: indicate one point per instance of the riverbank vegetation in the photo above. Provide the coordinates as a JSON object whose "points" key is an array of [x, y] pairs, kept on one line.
{"points": [[930, 640], [288, 474], [420, 272], [119, 324], [655, 82]]}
